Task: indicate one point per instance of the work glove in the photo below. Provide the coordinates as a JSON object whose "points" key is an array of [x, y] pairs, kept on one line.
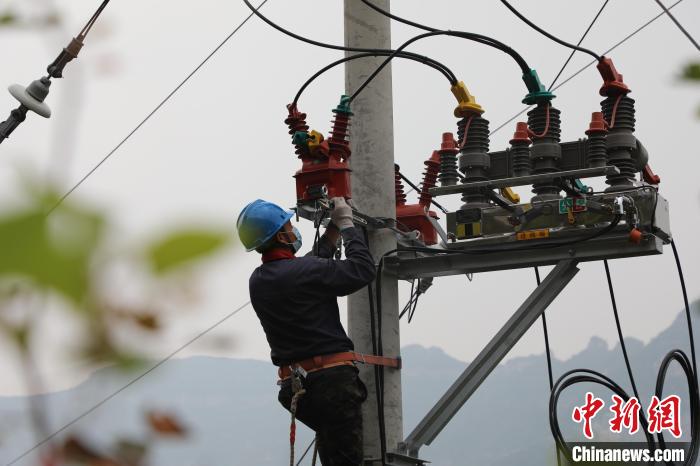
{"points": [[341, 216]]}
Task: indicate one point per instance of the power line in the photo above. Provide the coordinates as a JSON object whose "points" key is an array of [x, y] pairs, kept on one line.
{"points": [[680, 26], [582, 69], [571, 55], [132, 382], [154, 111]]}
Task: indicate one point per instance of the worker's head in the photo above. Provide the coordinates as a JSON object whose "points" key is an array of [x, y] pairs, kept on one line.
{"points": [[263, 226]]}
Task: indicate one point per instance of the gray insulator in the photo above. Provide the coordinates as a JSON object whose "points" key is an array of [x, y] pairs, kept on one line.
{"points": [[545, 151], [621, 142], [33, 96], [448, 168], [520, 151], [474, 159], [597, 153]]}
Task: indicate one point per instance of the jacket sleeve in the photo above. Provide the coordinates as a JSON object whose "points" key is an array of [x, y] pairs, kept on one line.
{"points": [[342, 277], [324, 248]]}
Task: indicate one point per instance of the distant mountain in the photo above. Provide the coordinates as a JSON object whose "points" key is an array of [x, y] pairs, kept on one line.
{"points": [[230, 406]]}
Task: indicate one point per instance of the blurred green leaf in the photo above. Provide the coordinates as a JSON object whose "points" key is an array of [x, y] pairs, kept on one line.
{"points": [[183, 247], [55, 251], [27, 250], [691, 72], [7, 18]]}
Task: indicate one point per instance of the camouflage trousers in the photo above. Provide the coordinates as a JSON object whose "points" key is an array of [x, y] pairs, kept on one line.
{"points": [[332, 407]]}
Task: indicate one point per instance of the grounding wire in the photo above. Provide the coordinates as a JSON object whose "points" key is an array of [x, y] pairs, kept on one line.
{"points": [[153, 112], [585, 67], [547, 34], [130, 383], [680, 26]]}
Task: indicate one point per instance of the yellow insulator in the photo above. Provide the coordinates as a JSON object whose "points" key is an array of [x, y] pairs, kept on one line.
{"points": [[467, 103]]}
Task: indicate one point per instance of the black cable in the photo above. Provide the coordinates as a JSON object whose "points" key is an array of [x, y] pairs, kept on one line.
{"points": [[380, 352], [685, 302], [585, 67], [323, 44], [378, 386], [424, 60], [550, 372], [689, 368], [465, 35], [415, 306], [548, 35], [412, 296], [577, 376], [623, 346]]}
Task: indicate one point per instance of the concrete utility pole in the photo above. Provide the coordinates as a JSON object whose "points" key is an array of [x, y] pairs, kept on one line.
{"points": [[372, 162]]}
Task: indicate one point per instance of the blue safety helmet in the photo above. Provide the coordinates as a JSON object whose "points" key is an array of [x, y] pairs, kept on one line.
{"points": [[259, 221]]}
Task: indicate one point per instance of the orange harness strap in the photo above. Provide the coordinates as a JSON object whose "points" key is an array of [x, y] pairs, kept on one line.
{"points": [[336, 359]]}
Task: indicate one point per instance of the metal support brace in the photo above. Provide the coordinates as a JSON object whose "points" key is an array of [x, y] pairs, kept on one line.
{"points": [[458, 394]]}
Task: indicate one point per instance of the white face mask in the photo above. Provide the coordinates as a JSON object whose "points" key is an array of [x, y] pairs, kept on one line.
{"points": [[296, 245]]}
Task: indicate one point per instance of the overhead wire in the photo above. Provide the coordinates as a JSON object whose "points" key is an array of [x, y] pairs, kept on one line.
{"points": [[130, 383], [547, 34], [580, 41], [92, 20], [426, 61], [62, 199], [677, 23], [324, 44], [464, 35], [585, 67]]}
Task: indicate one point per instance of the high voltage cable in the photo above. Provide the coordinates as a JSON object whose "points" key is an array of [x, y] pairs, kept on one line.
{"points": [[154, 111], [130, 383], [582, 69], [680, 26]]}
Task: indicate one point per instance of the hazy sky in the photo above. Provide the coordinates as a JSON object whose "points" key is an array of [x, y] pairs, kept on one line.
{"points": [[221, 142]]}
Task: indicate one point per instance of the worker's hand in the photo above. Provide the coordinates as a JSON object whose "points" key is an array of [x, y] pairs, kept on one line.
{"points": [[341, 215]]}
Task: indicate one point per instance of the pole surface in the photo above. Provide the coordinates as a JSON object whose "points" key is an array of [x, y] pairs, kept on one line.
{"points": [[372, 162]]}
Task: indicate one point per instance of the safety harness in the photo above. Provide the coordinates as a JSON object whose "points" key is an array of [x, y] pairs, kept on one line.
{"points": [[298, 371]]}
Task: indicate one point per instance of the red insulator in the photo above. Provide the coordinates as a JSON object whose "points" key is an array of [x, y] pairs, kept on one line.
{"points": [[338, 143], [398, 186], [432, 168], [296, 121]]}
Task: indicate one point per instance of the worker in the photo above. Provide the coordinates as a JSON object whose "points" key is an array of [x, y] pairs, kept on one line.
{"points": [[295, 299]]}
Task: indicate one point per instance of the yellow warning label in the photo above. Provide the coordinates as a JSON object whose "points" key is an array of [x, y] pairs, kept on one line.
{"points": [[532, 234]]}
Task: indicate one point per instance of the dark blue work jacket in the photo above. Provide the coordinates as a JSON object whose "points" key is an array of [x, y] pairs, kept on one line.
{"points": [[296, 298]]}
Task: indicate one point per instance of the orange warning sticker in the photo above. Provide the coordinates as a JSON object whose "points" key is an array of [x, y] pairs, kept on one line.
{"points": [[532, 234]]}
